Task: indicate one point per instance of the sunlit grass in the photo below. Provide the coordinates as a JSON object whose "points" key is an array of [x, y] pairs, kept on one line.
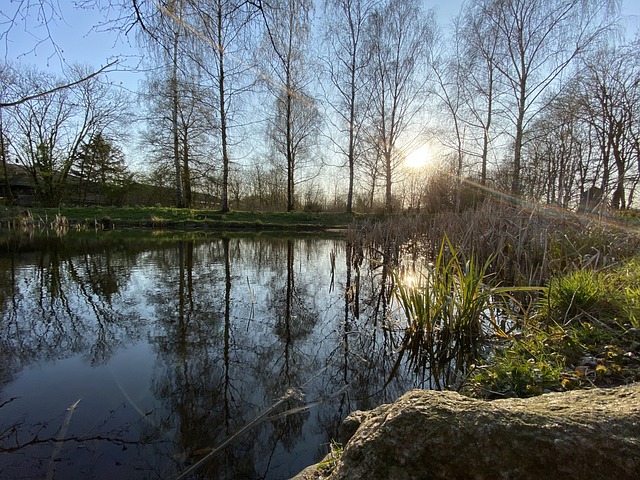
{"points": [[609, 296], [167, 218], [584, 332]]}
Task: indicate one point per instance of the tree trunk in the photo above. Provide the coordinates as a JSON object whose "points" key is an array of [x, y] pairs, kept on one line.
{"points": [[223, 118], [186, 170], [290, 153], [352, 120], [516, 187], [487, 126], [174, 122], [351, 155], [387, 194], [8, 196]]}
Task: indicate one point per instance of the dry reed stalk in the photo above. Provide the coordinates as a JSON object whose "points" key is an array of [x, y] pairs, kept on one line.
{"points": [[527, 243]]}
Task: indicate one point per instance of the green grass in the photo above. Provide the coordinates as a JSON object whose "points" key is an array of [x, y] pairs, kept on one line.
{"points": [[330, 461], [180, 218], [585, 332], [611, 297]]}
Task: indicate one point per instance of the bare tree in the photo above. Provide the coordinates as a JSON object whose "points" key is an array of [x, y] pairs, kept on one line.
{"points": [[195, 143], [287, 25], [52, 128], [553, 152], [293, 134], [371, 170], [347, 63], [165, 34], [476, 60], [610, 99], [39, 15], [450, 72], [224, 27], [265, 186], [174, 10], [399, 35], [538, 41], [7, 78]]}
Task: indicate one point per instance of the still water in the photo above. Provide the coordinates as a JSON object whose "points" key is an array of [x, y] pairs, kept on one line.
{"points": [[137, 356]]}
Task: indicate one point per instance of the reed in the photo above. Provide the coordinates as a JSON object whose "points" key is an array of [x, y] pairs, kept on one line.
{"points": [[527, 244], [451, 308], [454, 306], [59, 224]]}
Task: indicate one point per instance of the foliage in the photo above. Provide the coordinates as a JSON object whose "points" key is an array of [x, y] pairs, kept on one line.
{"points": [[576, 256], [101, 171], [522, 368]]}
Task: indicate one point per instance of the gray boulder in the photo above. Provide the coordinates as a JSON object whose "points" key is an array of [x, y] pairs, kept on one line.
{"points": [[581, 435]]}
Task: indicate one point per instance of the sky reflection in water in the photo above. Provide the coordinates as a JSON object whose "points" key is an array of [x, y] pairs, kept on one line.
{"points": [[172, 345]]}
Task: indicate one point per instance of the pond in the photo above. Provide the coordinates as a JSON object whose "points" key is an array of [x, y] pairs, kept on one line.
{"points": [[173, 356]]}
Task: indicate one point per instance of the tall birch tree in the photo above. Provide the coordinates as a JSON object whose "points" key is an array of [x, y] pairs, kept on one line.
{"points": [[399, 37], [538, 41], [347, 63], [287, 25]]}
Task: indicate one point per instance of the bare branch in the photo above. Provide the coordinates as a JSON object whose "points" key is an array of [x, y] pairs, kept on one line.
{"points": [[44, 93]]}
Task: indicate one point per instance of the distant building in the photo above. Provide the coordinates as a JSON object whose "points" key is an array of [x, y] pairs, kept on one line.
{"points": [[17, 184], [590, 199]]}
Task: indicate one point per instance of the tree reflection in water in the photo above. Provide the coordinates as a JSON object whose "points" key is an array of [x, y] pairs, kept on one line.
{"points": [[179, 347]]}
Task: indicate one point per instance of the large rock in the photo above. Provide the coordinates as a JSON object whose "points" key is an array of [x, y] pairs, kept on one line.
{"points": [[592, 434]]}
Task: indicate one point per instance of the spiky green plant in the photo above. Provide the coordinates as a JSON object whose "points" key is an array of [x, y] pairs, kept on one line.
{"points": [[449, 309], [572, 295], [608, 296], [328, 464]]}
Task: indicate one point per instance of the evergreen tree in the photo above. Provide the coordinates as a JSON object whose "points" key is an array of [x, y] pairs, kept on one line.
{"points": [[101, 170]]}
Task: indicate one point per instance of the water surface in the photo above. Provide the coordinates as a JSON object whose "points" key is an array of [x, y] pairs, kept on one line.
{"points": [[139, 356]]}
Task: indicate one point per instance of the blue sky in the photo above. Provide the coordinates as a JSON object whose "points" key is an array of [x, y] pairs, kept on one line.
{"points": [[79, 42], [71, 38]]}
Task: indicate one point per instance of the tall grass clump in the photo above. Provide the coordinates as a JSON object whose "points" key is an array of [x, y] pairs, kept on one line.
{"points": [[610, 297], [451, 308]]}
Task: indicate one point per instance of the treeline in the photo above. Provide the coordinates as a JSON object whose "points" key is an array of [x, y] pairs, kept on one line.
{"points": [[294, 104]]}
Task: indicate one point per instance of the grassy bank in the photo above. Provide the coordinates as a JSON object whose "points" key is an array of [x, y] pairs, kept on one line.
{"points": [[584, 332], [178, 218], [573, 320]]}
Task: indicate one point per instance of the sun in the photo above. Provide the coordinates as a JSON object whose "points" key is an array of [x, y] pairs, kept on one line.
{"points": [[419, 157]]}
